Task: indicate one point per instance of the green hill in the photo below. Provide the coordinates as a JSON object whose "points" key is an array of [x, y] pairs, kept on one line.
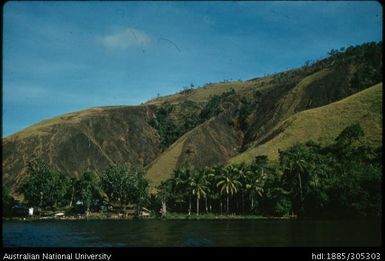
{"points": [[210, 125], [323, 124]]}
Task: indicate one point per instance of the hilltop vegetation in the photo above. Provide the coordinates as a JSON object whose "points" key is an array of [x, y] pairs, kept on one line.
{"points": [[217, 124], [170, 128]]}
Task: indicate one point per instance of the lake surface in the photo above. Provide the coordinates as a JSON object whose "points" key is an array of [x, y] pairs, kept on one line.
{"points": [[181, 233]]}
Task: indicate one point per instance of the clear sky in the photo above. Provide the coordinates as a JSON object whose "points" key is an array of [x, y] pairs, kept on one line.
{"points": [[60, 57]]}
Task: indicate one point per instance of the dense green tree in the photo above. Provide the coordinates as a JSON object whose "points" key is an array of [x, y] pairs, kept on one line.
{"points": [[115, 181], [350, 134], [168, 131], [60, 188], [35, 186], [213, 106], [8, 201], [246, 108], [124, 185], [295, 174], [276, 200], [89, 189], [356, 191], [139, 194], [44, 187], [211, 109]]}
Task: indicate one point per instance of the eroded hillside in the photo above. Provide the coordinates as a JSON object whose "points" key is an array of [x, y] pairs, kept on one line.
{"points": [[209, 125], [89, 139]]}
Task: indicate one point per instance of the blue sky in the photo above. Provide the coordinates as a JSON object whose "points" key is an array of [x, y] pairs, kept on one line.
{"points": [[60, 57]]}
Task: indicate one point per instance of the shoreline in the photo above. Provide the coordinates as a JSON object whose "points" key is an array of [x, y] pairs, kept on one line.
{"points": [[172, 216], [177, 217]]}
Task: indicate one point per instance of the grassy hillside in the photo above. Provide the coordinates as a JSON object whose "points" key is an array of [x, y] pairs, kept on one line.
{"points": [[323, 124], [213, 142], [164, 165], [209, 125], [89, 139], [203, 94]]}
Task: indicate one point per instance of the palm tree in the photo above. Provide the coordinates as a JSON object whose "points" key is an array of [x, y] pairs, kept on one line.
{"points": [[186, 182], [255, 184], [294, 165], [164, 193], [214, 178], [180, 184], [199, 186], [241, 172], [209, 177], [228, 184]]}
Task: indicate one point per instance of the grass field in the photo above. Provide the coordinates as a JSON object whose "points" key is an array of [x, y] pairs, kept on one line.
{"points": [[323, 124]]}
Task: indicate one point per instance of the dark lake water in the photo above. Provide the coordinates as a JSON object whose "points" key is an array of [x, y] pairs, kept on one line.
{"points": [[164, 233]]}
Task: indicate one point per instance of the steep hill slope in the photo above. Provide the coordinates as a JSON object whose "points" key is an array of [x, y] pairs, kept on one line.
{"points": [[271, 101], [89, 139], [213, 142], [323, 124], [199, 127]]}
